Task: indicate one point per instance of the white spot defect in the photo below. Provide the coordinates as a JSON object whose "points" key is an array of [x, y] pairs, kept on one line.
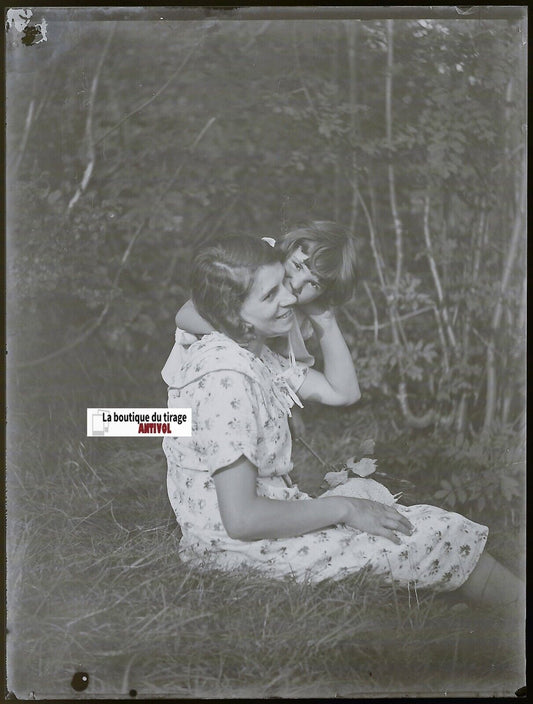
{"points": [[19, 19]]}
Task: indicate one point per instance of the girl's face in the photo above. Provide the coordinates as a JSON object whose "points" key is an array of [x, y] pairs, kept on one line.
{"points": [[300, 280], [268, 304]]}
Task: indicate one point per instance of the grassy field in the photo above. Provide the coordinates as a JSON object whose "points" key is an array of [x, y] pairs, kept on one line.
{"points": [[95, 585]]}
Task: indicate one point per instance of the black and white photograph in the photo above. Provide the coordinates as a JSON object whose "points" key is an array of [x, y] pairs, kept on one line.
{"points": [[266, 352]]}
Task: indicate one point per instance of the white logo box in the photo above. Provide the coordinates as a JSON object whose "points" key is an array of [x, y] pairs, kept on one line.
{"points": [[138, 422]]}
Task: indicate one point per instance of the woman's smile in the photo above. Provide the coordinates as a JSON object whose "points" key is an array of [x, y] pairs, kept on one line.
{"points": [[286, 314]]}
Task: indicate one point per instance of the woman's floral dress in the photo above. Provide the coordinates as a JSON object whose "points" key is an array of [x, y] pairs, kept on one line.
{"points": [[240, 405]]}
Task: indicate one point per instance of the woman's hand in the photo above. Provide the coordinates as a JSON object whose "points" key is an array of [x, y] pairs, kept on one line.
{"points": [[377, 519], [247, 516]]}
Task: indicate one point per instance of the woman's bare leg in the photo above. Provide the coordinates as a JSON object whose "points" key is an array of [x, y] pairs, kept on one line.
{"points": [[492, 584]]}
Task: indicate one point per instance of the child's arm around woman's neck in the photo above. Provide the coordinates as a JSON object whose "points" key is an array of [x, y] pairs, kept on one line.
{"points": [[188, 319]]}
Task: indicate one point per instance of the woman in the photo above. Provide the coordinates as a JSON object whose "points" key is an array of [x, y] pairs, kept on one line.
{"points": [[229, 484]]}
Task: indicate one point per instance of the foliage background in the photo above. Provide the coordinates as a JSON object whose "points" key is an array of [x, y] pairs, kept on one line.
{"points": [[130, 142]]}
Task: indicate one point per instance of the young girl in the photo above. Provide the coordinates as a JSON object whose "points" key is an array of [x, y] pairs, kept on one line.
{"points": [[319, 262]]}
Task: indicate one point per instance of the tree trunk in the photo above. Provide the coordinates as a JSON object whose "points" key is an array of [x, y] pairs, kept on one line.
{"points": [[338, 165], [490, 407], [398, 229], [443, 311], [471, 277], [352, 32], [89, 137], [392, 297]]}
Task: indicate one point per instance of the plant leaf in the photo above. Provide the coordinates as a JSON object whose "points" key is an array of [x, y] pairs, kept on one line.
{"points": [[363, 467], [332, 479]]}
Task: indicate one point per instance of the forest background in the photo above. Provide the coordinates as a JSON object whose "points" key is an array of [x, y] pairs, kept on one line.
{"points": [[131, 142]]}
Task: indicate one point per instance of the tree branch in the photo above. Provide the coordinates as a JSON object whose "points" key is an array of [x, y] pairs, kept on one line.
{"points": [[22, 147], [351, 38], [442, 339], [89, 122], [398, 229], [490, 404], [373, 244], [434, 272], [472, 278], [382, 326], [374, 310], [300, 75], [308, 447], [83, 336], [150, 100], [414, 421], [33, 114]]}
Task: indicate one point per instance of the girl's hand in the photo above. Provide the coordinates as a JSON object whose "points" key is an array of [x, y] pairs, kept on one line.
{"points": [[315, 308], [377, 519], [320, 316]]}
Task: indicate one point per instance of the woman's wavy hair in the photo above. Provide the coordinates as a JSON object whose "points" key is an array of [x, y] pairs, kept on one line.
{"points": [[332, 256], [221, 278]]}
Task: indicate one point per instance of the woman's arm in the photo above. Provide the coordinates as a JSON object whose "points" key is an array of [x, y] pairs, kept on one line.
{"points": [[188, 319], [337, 385], [247, 516]]}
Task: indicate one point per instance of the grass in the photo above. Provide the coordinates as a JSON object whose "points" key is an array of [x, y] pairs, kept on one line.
{"points": [[95, 585]]}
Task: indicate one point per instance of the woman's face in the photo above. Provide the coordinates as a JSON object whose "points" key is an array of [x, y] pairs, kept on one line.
{"points": [[300, 280], [268, 304]]}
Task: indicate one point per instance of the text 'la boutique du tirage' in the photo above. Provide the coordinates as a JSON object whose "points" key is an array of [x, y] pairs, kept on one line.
{"points": [[130, 422]]}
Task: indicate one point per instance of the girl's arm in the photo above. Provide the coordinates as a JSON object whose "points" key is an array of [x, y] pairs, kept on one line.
{"points": [[247, 516], [188, 319], [337, 385]]}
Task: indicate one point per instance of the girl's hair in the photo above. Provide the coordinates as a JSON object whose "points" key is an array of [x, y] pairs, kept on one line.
{"points": [[332, 256], [221, 278]]}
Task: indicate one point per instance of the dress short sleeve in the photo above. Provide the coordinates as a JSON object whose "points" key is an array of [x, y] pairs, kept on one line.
{"points": [[225, 420], [172, 367]]}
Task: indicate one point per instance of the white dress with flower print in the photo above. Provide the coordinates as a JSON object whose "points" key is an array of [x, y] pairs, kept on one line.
{"points": [[240, 405]]}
